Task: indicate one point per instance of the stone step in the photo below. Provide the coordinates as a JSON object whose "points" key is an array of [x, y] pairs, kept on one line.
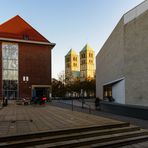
{"points": [[99, 141], [119, 143], [73, 138], [61, 132]]}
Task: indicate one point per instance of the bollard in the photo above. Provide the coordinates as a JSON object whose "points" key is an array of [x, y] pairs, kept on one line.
{"points": [[72, 103], [89, 109]]}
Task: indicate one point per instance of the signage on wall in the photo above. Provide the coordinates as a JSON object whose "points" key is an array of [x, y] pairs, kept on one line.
{"points": [[25, 78]]}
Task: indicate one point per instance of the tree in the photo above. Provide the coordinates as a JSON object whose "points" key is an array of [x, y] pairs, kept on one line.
{"points": [[89, 86], [61, 77], [58, 86], [71, 85]]}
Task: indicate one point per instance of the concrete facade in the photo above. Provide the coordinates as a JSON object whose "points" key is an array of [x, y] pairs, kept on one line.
{"points": [[124, 57], [136, 60], [110, 60]]}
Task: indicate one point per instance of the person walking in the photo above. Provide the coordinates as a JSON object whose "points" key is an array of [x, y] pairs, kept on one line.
{"points": [[97, 103]]}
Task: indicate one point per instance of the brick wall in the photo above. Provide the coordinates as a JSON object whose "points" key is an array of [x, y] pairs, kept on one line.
{"points": [[0, 71], [34, 62]]}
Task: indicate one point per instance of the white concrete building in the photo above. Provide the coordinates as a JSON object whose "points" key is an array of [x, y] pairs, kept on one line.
{"points": [[122, 63]]}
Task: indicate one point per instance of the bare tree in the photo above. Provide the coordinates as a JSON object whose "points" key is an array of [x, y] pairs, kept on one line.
{"points": [[61, 77]]}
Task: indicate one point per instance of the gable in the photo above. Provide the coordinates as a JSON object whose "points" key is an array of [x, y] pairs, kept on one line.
{"points": [[17, 28]]}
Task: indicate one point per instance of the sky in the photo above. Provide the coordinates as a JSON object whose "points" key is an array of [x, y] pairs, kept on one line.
{"points": [[69, 23]]}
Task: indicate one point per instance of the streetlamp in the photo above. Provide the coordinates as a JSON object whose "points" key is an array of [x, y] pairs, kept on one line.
{"points": [[71, 96], [82, 95]]}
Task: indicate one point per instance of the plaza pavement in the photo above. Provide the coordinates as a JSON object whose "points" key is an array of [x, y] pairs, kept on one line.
{"points": [[78, 107], [19, 119]]}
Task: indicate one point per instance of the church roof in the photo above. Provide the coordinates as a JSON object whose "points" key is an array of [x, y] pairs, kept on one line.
{"points": [[72, 51], [17, 28], [86, 48]]}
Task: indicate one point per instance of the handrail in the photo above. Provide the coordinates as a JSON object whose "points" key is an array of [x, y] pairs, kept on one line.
{"points": [[82, 100]]}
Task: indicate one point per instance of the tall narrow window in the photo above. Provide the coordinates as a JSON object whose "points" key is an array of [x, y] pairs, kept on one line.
{"points": [[10, 70]]}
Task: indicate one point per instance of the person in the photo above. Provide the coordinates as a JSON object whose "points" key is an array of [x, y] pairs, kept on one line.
{"points": [[97, 103], [111, 99], [43, 99], [83, 102], [6, 101], [3, 102]]}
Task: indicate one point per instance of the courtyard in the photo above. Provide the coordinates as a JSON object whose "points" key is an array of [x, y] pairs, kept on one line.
{"points": [[54, 126], [20, 119]]}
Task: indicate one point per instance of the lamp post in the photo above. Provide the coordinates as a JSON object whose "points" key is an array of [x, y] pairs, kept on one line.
{"points": [[71, 96], [82, 95]]}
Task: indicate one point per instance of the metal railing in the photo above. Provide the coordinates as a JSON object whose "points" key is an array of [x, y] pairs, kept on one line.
{"points": [[82, 101]]}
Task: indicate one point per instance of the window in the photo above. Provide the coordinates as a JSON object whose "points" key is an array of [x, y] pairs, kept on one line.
{"points": [[74, 58], [74, 65], [26, 37], [83, 55], [83, 62], [68, 65], [91, 55], [91, 61], [67, 59], [10, 70]]}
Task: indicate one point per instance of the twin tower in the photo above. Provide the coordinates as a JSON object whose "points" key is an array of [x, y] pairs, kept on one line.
{"points": [[82, 66]]}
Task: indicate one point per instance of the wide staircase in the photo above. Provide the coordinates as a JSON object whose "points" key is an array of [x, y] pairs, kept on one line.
{"points": [[106, 136]]}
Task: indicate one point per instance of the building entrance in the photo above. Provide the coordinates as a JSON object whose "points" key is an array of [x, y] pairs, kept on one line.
{"points": [[38, 92], [107, 91], [115, 91]]}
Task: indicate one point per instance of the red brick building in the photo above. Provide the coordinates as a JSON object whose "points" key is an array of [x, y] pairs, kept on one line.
{"points": [[25, 60]]}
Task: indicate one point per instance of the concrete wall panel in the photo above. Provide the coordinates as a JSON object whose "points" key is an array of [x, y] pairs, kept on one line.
{"points": [[136, 60], [110, 60], [118, 92]]}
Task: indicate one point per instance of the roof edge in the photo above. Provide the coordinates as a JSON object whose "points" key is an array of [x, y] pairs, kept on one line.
{"points": [[27, 41], [136, 11], [46, 40]]}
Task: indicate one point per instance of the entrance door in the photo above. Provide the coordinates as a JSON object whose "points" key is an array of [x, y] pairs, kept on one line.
{"points": [[115, 91], [39, 92], [107, 91]]}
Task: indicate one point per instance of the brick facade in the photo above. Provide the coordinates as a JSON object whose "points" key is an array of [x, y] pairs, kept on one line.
{"points": [[34, 62], [0, 70]]}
